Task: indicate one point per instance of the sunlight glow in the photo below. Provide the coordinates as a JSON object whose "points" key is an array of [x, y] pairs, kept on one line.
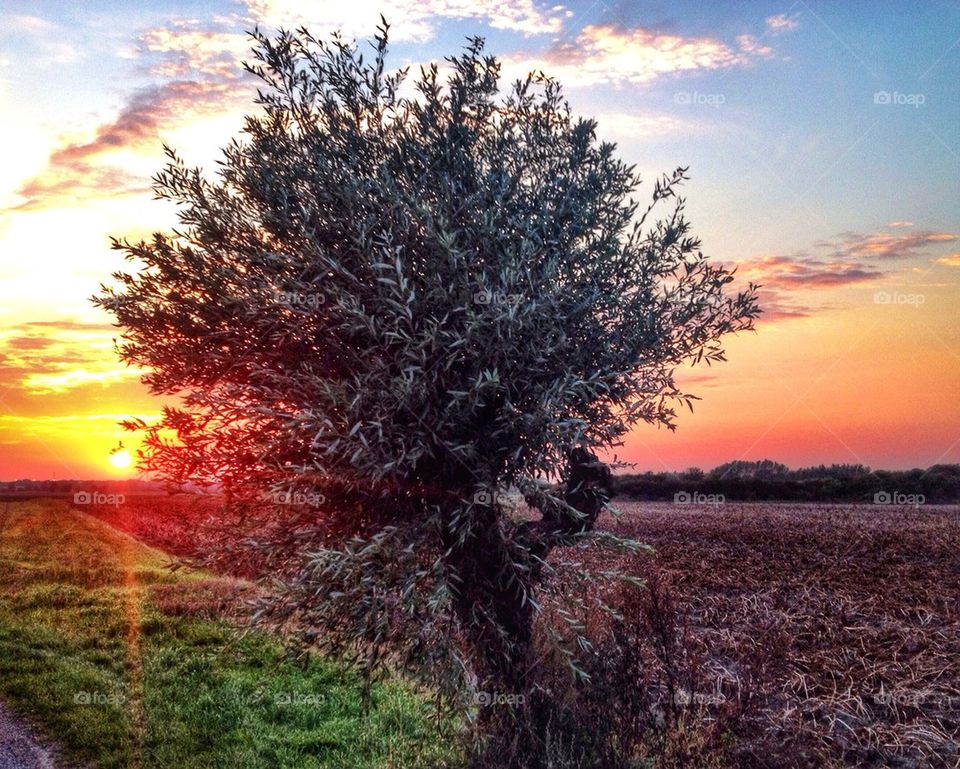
{"points": [[121, 458]]}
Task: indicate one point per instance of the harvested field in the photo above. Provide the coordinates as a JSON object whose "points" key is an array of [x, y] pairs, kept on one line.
{"points": [[836, 628]]}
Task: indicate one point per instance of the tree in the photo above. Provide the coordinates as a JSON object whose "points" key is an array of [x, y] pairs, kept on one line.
{"points": [[393, 311]]}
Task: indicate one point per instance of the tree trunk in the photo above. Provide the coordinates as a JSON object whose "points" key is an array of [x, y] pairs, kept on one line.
{"points": [[496, 571]]}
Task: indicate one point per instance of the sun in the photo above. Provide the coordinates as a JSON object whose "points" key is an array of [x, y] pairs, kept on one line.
{"points": [[121, 458]]}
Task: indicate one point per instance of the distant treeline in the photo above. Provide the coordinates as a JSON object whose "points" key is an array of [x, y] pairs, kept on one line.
{"points": [[771, 481], [735, 481], [126, 486]]}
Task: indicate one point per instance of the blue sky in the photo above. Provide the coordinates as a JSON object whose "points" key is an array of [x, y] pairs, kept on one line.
{"points": [[823, 141], [797, 141]]}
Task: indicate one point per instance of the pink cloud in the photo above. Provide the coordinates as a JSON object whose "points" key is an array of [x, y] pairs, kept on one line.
{"points": [[609, 54], [884, 245]]}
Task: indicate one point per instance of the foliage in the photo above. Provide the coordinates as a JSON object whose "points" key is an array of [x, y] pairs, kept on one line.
{"points": [[395, 311]]}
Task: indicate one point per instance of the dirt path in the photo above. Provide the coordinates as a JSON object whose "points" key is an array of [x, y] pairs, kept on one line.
{"points": [[20, 748]]}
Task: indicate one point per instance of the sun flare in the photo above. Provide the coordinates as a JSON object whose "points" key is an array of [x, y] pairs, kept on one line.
{"points": [[121, 458]]}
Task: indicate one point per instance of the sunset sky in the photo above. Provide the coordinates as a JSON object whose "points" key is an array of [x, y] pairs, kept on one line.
{"points": [[823, 141]]}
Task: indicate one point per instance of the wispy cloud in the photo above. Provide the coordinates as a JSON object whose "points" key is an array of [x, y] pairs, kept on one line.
{"points": [[782, 22], [609, 54], [45, 38], [624, 125], [800, 273], [850, 259], [884, 245], [39, 383], [21, 22], [410, 20], [44, 358], [790, 283], [189, 48], [83, 169]]}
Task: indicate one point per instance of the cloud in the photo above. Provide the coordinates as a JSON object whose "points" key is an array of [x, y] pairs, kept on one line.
{"points": [[69, 325], [605, 54], [751, 45], [410, 20], [45, 39], [186, 48], [782, 22], [793, 273], [47, 357], [199, 65], [884, 245], [790, 282], [849, 259], [16, 22], [777, 306], [38, 383], [83, 169], [29, 343], [625, 126]]}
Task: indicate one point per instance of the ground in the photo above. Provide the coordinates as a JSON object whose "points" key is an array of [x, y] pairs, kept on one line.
{"points": [[129, 665], [836, 626], [20, 748], [815, 635]]}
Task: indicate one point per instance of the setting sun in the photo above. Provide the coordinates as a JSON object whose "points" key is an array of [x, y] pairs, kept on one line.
{"points": [[121, 458]]}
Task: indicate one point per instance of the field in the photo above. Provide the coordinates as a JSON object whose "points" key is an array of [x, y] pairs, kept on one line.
{"points": [[833, 631], [796, 636], [125, 664]]}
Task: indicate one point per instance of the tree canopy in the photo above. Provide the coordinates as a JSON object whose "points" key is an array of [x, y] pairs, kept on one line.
{"points": [[403, 312]]}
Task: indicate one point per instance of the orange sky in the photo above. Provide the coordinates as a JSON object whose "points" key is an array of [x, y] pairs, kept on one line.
{"points": [[846, 211]]}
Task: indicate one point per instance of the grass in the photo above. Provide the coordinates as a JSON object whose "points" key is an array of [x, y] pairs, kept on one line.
{"points": [[126, 664]]}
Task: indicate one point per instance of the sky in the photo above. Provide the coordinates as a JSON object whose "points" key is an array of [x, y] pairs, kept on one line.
{"points": [[823, 142]]}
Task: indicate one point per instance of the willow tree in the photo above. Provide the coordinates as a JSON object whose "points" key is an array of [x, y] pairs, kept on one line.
{"points": [[403, 309]]}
